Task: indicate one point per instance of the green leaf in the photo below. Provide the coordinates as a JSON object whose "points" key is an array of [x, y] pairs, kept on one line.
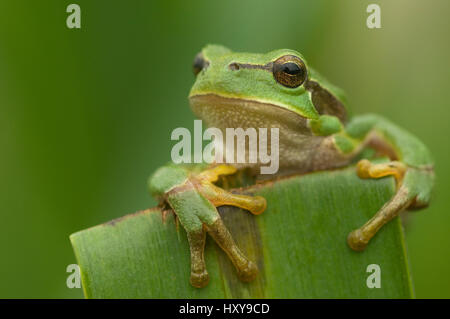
{"points": [[299, 244]]}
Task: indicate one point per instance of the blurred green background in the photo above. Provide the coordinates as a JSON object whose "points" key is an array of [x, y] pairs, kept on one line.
{"points": [[86, 115]]}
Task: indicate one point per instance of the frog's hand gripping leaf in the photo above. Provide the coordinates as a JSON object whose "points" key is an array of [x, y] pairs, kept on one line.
{"points": [[412, 167], [194, 198]]}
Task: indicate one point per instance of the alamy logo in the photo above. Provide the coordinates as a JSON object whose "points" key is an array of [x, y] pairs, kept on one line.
{"points": [[249, 146], [74, 279], [374, 279], [73, 21], [374, 19]]}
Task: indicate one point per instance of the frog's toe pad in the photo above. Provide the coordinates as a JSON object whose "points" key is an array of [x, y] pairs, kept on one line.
{"points": [[362, 168], [259, 205], [248, 272], [199, 280], [357, 241]]}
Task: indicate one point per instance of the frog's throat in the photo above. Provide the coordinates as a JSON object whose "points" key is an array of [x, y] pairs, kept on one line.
{"points": [[298, 149], [228, 112]]}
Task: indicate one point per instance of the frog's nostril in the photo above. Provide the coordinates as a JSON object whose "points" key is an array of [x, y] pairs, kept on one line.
{"points": [[233, 66]]}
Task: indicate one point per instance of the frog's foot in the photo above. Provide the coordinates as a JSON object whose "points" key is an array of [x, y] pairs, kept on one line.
{"points": [[218, 196], [246, 269], [365, 169], [195, 205], [359, 238]]}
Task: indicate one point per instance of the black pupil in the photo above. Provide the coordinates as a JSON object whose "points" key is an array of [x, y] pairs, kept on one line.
{"points": [[292, 69]]}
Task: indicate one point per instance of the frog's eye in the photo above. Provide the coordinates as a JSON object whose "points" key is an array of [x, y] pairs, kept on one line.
{"points": [[289, 71], [199, 63]]}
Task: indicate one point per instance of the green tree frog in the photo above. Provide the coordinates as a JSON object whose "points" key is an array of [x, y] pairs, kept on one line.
{"points": [[279, 89]]}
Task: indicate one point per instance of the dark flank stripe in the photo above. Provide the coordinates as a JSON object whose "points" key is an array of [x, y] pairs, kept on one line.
{"points": [[266, 67]]}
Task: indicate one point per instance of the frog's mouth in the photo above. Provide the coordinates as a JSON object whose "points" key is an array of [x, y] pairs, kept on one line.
{"points": [[225, 112]]}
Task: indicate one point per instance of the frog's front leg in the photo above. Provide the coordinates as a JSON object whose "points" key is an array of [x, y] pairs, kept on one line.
{"points": [[193, 197], [411, 166]]}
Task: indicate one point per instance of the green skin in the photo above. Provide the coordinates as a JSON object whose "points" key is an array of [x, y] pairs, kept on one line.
{"points": [[315, 134]]}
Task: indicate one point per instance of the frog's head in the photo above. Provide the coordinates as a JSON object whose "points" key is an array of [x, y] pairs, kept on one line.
{"points": [[279, 82]]}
